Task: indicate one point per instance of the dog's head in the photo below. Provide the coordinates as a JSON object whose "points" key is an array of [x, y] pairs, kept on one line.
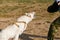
{"points": [[27, 17], [31, 15]]}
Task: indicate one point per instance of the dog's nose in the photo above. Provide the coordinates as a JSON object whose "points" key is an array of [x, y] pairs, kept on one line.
{"points": [[0, 30]]}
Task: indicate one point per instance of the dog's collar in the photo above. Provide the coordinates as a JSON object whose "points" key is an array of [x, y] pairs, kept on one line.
{"points": [[19, 22]]}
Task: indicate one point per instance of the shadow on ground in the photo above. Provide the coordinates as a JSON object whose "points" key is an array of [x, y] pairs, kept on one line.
{"points": [[54, 26], [30, 37]]}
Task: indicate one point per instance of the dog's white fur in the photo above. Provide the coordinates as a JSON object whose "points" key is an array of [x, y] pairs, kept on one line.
{"points": [[13, 31]]}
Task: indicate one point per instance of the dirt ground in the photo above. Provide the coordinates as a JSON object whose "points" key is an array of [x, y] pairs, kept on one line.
{"points": [[36, 29]]}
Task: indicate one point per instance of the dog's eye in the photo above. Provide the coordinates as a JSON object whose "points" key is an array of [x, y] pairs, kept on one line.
{"points": [[29, 15]]}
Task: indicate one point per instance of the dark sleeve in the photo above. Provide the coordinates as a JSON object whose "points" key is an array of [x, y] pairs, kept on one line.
{"points": [[57, 0]]}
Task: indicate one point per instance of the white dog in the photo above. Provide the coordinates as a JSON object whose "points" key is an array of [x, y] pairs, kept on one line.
{"points": [[13, 31]]}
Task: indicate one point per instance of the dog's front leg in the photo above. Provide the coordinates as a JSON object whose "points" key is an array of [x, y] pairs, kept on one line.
{"points": [[16, 37]]}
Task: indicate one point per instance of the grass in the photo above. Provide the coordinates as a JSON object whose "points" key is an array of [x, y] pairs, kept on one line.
{"points": [[7, 9], [27, 1]]}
